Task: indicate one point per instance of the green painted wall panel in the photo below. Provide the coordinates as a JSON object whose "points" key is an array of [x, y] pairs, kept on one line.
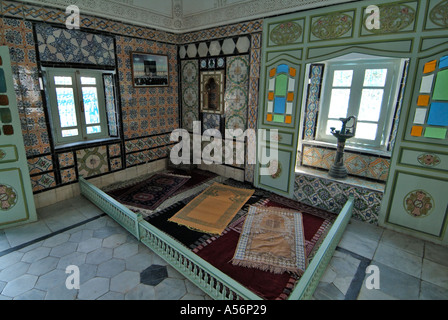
{"points": [[410, 29], [16, 196]]}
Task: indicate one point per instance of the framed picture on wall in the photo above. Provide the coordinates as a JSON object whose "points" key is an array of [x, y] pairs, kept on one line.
{"points": [[212, 91], [149, 70]]}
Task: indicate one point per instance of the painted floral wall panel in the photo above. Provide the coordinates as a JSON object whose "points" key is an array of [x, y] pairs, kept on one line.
{"points": [[147, 111], [65, 45]]}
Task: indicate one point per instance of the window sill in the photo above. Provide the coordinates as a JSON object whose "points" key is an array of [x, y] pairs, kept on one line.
{"points": [[350, 180], [375, 152], [88, 143]]}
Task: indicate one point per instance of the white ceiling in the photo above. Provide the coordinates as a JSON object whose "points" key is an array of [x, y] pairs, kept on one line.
{"points": [[181, 16]]}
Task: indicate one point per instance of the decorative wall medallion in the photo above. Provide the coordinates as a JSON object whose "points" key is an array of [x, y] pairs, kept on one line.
{"points": [[332, 26], [286, 33], [220, 62], [235, 122], [8, 197], [2, 154], [190, 97], [428, 159], [418, 203], [188, 118], [439, 14], [394, 18], [189, 71], [238, 70], [236, 99], [92, 161]]}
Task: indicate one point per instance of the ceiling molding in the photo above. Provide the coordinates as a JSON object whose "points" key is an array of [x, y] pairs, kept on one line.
{"points": [[169, 15]]}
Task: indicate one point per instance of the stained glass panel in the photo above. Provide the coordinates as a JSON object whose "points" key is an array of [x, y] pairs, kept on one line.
{"points": [[375, 78], [93, 129], [69, 133], [281, 84], [64, 81], [91, 108], [66, 107], [366, 131], [339, 103], [371, 102], [279, 105], [88, 80], [342, 78]]}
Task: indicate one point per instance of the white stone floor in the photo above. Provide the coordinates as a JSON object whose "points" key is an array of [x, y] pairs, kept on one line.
{"points": [[114, 265]]}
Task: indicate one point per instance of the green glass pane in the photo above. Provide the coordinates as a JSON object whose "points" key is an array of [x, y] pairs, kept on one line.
{"points": [[91, 108], [440, 91], [2, 81], [281, 85], [279, 118], [436, 133], [66, 107], [5, 116]]}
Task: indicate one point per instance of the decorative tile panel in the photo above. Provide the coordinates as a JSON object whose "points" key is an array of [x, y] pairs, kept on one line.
{"points": [[357, 164], [252, 108], [222, 31], [18, 36], [40, 164], [332, 195], [114, 150], [68, 175], [190, 93], [92, 161], [66, 159], [43, 181], [147, 143], [211, 121], [147, 111], [65, 45], [312, 102], [115, 164], [234, 45], [236, 95], [147, 155]]}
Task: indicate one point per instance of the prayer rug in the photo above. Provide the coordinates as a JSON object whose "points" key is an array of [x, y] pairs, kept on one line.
{"points": [[198, 177], [150, 193], [213, 209], [272, 240], [219, 250]]}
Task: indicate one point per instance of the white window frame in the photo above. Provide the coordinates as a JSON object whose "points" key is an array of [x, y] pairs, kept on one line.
{"points": [[76, 86], [395, 67]]}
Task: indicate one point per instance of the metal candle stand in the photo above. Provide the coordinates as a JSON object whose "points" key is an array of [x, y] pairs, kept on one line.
{"points": [[338, 169]]}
